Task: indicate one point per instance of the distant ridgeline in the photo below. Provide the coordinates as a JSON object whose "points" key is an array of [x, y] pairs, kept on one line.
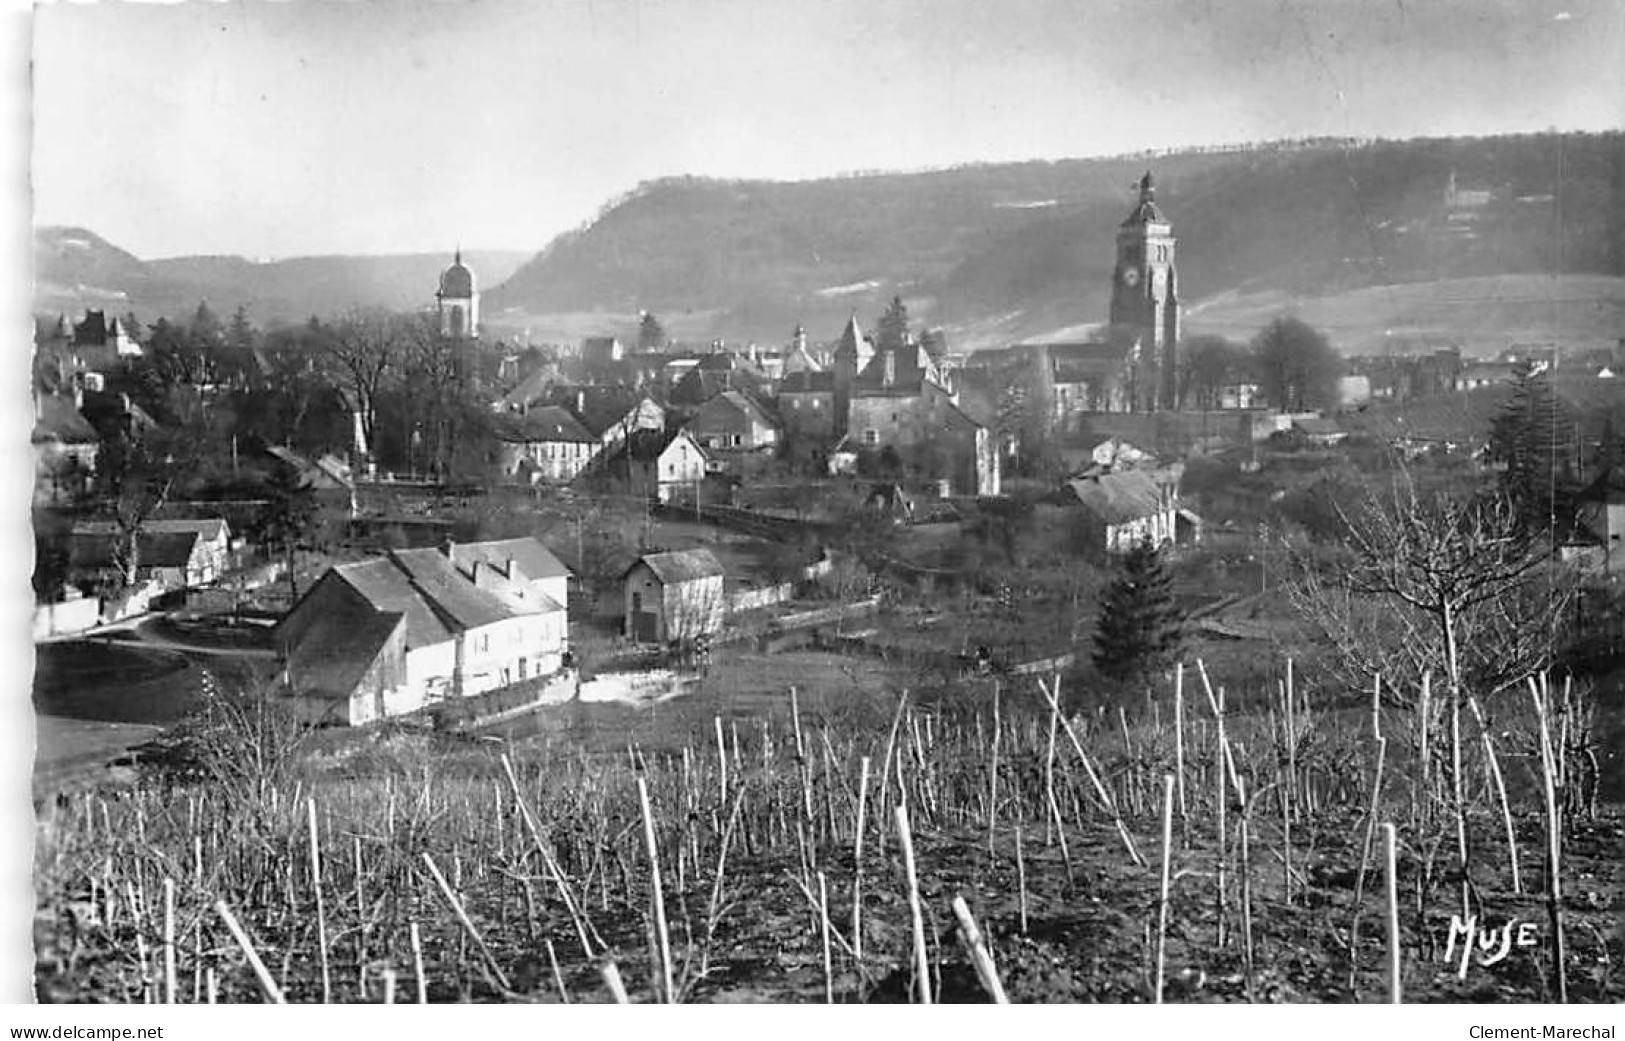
{"points": [[996, 252], [1030, 244]]}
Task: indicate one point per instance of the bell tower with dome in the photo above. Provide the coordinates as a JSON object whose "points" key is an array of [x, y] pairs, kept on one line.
{"points": [[458, 302], [1145, 301]]}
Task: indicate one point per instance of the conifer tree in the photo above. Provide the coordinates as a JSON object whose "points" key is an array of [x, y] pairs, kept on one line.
{"points": [[1533, 439], [1141, 630], [893, 331], [651, 334]]}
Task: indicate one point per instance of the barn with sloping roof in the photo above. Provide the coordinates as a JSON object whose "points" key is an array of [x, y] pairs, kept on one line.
{"points": [[674, 596], [1122, 508], [466, 627]]}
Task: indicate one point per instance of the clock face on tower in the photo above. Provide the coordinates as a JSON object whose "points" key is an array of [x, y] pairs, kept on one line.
{"points": [[1131, 276]]}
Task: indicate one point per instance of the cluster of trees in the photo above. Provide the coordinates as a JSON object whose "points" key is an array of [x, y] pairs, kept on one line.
{"points": [[1293, 364], [181, 420], [407, 389]]}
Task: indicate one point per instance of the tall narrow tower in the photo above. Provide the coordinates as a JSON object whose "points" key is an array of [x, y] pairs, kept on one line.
{"points": [[1145, 301], [458, 302]]}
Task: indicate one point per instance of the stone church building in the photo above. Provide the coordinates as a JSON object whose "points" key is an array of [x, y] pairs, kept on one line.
{"points": [[457, 302], [1132, 364], [1144, 317]]}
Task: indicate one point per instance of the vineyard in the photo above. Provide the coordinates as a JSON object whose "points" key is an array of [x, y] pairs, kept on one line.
{"points": [[941, 848]]}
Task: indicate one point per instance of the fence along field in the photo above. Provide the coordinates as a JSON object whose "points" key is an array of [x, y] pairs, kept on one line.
{"points": [[1000, 849]]}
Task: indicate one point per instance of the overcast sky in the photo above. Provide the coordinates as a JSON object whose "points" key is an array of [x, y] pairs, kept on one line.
{"points": [[312, 126]]}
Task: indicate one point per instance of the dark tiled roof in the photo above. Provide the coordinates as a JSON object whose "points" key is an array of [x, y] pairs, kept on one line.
{"points": [[321, 475], [387, 588], [741, 403], [1119, 497], [647, 445], [805, 382], [1609, 487], [92, 332], [682, 565], [209, 528], [533, 558], [531, 389], [851, 338], [167, 549], [457, 281], [547, 423], [598, 408], [58, 420], [452, 594], [335, 655], [1317, 425]]}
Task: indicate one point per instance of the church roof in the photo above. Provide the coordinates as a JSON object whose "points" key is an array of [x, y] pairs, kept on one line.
{"points": [[457, 281], [1145, 211], [852, 341]]}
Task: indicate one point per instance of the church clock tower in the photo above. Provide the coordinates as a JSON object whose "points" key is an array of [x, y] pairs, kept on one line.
{"points": [[1145, 301], [458, 302]]}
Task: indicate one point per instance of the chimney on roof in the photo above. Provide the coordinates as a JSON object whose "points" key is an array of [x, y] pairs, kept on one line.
{"points": [[448, 547], [888, 361], [581, 402]]}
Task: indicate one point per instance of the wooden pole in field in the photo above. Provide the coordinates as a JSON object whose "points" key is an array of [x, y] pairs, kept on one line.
{"points": [[722, 765], [922, 968], [668, 992], [169, 941], [612, 980], [246, 945], [993, 776], [417, 964], [1554, 843], [857, 861], [1179, 737], [321, 910], [976, 947], [1500, 793], [462, 917], [1168, 786], [823, 919], [1390, 841], [1021, 882]]}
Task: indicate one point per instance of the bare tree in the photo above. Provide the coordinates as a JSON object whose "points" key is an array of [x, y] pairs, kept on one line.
{"points": [[362, 355], [1434, 583]]}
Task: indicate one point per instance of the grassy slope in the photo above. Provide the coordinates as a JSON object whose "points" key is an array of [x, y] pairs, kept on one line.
{"points": [[753, 258], [1483, 314]]}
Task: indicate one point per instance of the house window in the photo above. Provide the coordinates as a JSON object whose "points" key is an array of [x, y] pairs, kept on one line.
{"points": [[522, 668], [871, 437], [485, 643], [817, 404], [738, 440]]}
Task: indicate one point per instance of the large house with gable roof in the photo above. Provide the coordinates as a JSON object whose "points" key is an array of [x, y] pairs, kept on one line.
{"points": [[394, 634]]}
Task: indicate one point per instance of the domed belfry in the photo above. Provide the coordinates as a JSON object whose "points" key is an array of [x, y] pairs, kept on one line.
{"points": [[1145, 302], [458, 302]]}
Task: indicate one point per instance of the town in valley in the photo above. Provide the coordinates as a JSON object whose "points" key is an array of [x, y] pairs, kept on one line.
{"points": [[1185, 575]]}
